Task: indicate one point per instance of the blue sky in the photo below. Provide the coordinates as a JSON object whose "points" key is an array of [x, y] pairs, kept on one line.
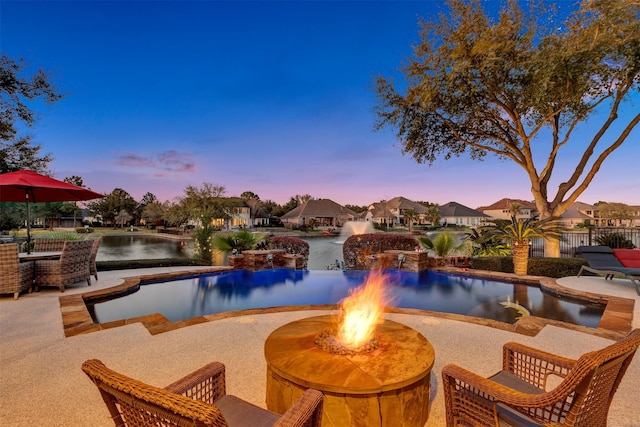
{"points": [[271, 97]]}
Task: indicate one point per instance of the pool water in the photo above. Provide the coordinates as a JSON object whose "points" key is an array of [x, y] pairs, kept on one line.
{"points": [[199, 295]]}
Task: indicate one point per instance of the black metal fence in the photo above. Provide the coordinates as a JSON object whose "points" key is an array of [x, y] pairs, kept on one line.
{"points": [[588, 236]]}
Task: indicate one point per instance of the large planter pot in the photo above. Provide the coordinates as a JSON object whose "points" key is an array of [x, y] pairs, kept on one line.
{"points": [[520, 253]]}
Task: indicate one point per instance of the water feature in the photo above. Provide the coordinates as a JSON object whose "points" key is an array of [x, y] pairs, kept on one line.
{"points": [[355, 227], [240, 289]]}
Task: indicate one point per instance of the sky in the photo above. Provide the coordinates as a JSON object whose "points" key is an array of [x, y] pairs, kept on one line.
{"points": [[276, 98]]}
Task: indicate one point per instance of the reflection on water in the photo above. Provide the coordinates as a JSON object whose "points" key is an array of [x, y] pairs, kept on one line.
{"points": [[239, 289], [132, 247]]}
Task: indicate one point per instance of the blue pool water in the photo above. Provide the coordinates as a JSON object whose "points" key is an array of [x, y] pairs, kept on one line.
{"points": [[194, 296]]}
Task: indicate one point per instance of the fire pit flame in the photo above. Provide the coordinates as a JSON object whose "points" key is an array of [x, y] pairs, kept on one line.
{"points": [[362, 311]]}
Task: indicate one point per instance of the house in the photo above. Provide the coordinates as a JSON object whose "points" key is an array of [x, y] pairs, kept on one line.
{"points": [[579, 213], [504, 208], [378, 213], [325, 213], [391, 212], [257, 215], [454, 213]]}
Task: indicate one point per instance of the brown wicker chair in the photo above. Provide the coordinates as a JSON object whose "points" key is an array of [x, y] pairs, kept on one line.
{"points": [[199, 399], [516, 395], [72, 267], [93, 270], [15, 276], [48, 245]]}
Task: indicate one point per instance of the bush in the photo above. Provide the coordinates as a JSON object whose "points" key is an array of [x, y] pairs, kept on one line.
{"points": [[548, 267], [359, 246], [82, 230], [492, 263], [614, 241]]}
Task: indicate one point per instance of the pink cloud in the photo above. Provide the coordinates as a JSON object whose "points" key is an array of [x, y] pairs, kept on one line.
{"points": [[165, 161]]}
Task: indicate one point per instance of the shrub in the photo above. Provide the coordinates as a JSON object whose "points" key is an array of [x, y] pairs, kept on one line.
{"points": [[83, 230], [614, 241], [548, 267], [359, 246]]}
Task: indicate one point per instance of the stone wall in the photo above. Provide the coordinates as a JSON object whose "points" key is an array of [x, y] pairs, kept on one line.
{"points": [[257, 260], [401, 260]]}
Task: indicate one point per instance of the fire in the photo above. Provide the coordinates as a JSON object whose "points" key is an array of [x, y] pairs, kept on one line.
{"points": [[362, 311]]}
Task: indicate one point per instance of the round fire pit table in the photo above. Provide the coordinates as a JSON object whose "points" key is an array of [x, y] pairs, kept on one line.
{"points": [[388, 386]]}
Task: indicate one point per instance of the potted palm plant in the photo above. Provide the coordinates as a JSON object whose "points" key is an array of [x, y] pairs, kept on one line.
{"points": [[517, 234]]}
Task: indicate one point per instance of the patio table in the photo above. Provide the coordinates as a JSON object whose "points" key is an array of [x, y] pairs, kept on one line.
{"points": [[36, 256]]}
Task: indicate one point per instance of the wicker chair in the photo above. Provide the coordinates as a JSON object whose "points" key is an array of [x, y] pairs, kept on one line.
{"points": [[15, 276], [93, 270], [199, 399], [48, 245], [72, 267], [516, 395]]}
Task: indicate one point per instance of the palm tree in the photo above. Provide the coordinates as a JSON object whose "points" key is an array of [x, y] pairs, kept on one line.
{"points": [[519, 233], [410, 215], [442, 245], [479, 245], [433, 214], [240, 240]]}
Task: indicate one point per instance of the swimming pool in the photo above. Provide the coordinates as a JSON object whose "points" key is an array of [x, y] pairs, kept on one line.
{"points": [[231, 290]]}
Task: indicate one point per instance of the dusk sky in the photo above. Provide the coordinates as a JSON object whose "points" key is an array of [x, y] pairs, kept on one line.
{"points": [[271, 97]]}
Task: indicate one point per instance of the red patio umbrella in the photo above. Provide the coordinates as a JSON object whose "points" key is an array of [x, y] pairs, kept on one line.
{"points": [[31, 187]]}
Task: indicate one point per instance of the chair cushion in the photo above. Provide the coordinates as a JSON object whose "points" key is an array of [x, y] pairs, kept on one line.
{"points": [[628, 257], [507, 416], [511, 380], [239, 413]]}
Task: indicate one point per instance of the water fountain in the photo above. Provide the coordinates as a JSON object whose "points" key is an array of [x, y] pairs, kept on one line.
{"points": [[354, 227]]}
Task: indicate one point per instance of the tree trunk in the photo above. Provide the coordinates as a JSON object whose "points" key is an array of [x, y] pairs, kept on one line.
{"points": [[520, 253], [552, 248]]}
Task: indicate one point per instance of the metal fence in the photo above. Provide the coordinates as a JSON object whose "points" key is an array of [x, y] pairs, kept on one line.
{"points": [[585, 237]]}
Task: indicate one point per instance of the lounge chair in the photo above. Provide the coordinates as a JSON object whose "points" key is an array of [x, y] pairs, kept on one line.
{"points": [[520, 394], [199, 399], [15, 276], [603, 262]]}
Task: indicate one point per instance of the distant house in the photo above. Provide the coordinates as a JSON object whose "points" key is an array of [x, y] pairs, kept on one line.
{"points": [[392, 212], [503, 209], [243, 214], [454, 213], [578, 213], [378, 213], [324, 211], [257, 215]]}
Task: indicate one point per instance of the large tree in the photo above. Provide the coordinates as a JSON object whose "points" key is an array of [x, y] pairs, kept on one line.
{"points": [[17, 151], [518, 89]]}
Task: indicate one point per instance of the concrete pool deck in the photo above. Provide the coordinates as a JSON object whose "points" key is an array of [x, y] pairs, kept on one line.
{"points": [[41, 382]]}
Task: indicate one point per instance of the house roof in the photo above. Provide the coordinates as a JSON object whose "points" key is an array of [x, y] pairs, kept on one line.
{"points": [[320, 208], [380, 210], [573, 211], [256, 209], [506, 204], [404, 203], [454, 209]]}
